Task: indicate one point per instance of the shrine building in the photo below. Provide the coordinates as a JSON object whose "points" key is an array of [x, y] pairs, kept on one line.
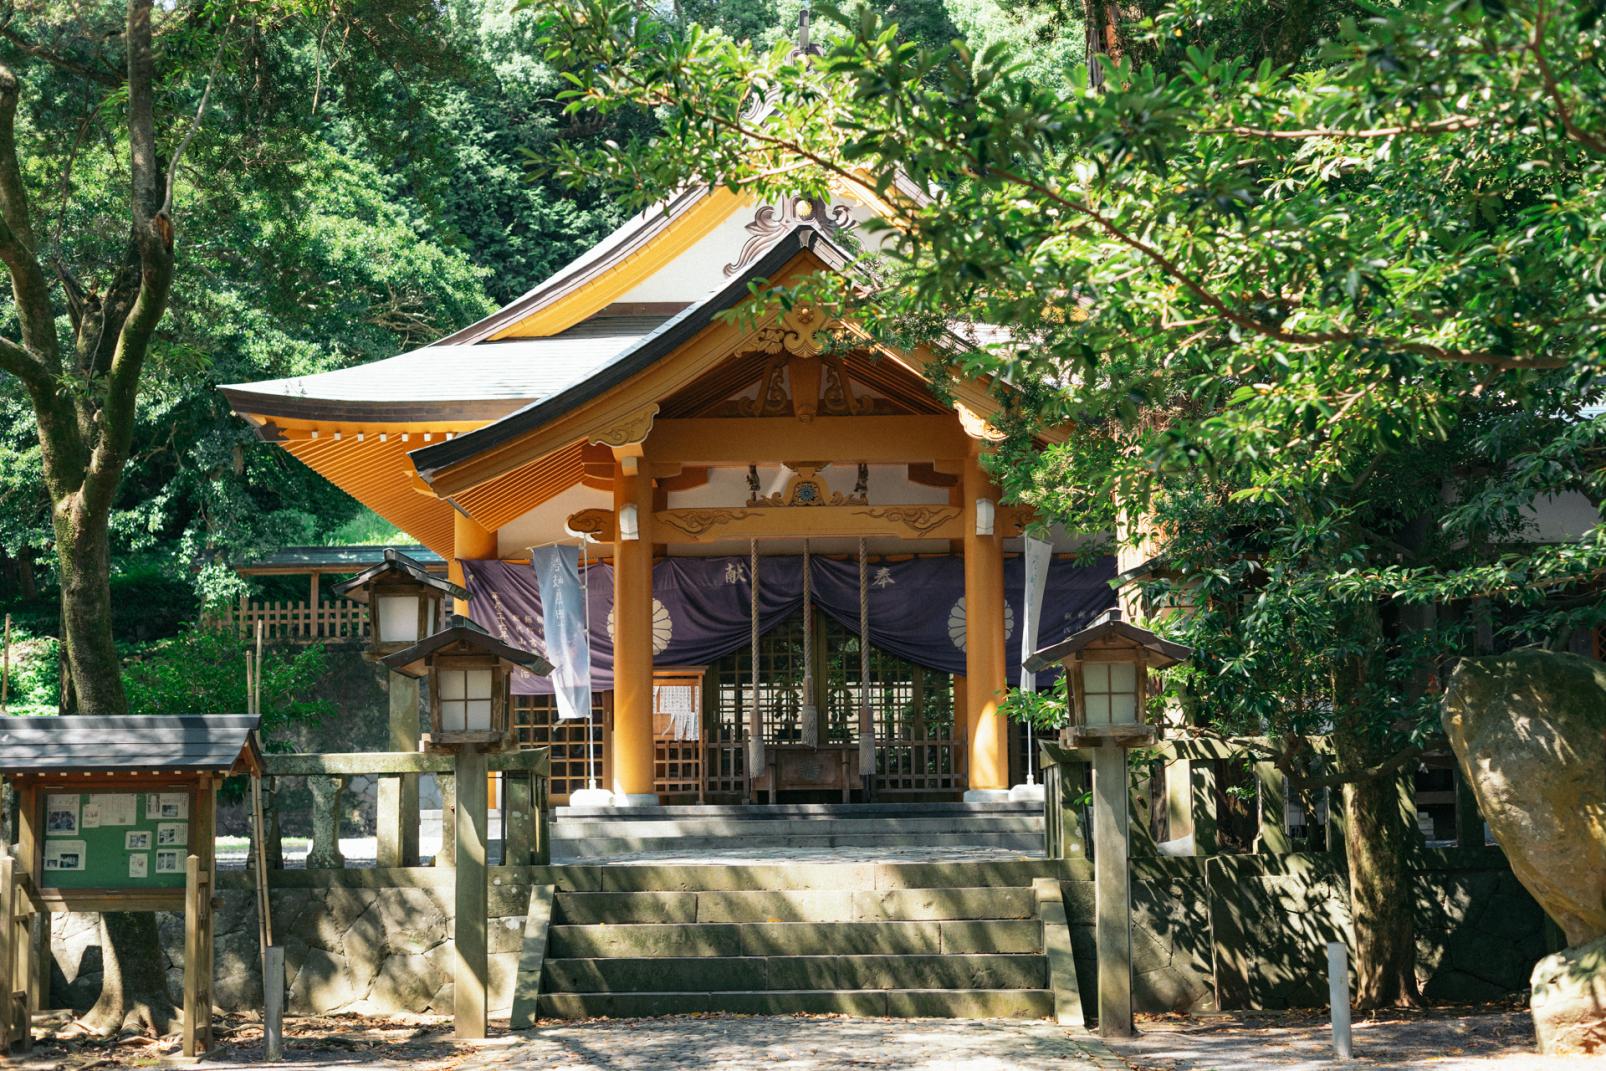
{"points": [[644, 403]]}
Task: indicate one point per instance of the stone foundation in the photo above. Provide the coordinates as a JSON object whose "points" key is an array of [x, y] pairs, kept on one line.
{"points": [[1246, 931]]}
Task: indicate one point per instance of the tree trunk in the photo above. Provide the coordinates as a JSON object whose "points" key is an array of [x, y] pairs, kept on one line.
{"points": [[1378, 844], [83, 558], [133, 989]]}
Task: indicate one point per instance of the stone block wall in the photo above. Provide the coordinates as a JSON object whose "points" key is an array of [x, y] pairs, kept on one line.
{"points": [[348, 947], [1251, 931], [1241, 931]]}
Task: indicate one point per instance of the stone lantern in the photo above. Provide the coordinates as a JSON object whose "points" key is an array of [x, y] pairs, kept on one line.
{"points": [[1107, 665], [470, 676], [403, 599]]}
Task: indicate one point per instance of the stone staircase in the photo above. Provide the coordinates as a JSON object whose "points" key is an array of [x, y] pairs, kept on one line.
{"points": [[934, 939], [800, 831]]}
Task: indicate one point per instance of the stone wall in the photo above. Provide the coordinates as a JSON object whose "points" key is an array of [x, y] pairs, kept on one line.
{"points": [[348, 947], [1245, 931], [1251, 931]]}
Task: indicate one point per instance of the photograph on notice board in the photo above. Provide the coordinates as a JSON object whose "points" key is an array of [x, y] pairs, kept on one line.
{"points": [[137, 840], [61, 814], [169, 861], [174, 805], [139, 865], [169, 834], [64, 855]]}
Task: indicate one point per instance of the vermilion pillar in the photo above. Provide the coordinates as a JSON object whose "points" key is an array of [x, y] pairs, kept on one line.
{"points": [[630, 773], [986, 733], [470, 542]]}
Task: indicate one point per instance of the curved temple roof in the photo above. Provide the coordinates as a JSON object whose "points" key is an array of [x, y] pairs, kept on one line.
{"points": [[483, 381]]}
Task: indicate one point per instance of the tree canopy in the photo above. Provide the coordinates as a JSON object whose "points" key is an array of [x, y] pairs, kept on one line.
{"points": [[1321, 306]]}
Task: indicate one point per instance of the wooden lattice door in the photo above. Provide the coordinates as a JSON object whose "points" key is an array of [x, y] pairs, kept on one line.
{"points": [[677, 734]]}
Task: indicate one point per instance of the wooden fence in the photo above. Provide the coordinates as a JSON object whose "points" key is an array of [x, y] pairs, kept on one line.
{"points": [[326, 621], [1174, 786]]}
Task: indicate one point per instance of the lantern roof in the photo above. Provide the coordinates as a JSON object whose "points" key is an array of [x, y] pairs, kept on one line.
{"points": [[1110, 630], [462, 636], [397, 564]]}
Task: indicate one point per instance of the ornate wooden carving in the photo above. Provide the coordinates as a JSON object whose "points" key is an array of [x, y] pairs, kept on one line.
{"points": [[796, 332], [921, 519], [976, 425], [772, 221], [837, 398], [630, 429], [695, 522], [596, 523]]}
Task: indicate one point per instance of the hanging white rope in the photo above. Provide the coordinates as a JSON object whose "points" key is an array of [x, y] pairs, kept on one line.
{"points": [[585, 597], [811, 713], [755, 720], [866, 718]]}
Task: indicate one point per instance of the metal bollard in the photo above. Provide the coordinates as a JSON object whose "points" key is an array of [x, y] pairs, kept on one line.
{"points": [[273, 1003], [1338, 998]]}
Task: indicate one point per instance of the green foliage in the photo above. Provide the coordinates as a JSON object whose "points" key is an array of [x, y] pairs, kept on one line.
{"points": [[202, 671], [1329, 325], [34, 686]]}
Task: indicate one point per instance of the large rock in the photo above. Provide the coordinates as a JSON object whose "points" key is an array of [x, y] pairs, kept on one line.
{"points": [[1529, 730], [1569, 1000]]}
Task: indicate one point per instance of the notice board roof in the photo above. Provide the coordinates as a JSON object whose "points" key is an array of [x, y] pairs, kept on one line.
{"points": [[156, 743]]}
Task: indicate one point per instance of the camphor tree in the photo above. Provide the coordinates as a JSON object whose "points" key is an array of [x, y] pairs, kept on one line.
{"points": [[120, 123], [1327, 324]]}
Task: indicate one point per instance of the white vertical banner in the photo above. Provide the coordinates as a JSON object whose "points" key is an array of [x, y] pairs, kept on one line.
{"points": [[563, 623], [1038, 554]]}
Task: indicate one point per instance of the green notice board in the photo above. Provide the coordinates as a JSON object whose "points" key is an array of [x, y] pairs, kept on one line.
{"points": [[112, 839]]}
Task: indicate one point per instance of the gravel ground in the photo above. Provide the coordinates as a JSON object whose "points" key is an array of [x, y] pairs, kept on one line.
{"points": [[1443, 1039], [1482, 1039], [680, 1043]]}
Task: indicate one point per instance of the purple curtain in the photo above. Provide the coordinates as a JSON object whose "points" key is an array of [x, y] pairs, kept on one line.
{"points": [[702, 613]]}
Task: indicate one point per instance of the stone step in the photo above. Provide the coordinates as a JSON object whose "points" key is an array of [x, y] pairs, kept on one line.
{"points": [[794, 973], [795, 905], [902, 1003], [601, 848], [680, 940], [785, 811], [695, 877], [586, 828]]}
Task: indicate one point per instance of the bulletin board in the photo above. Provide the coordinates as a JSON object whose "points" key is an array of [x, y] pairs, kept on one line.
{"points": [[116, 839]]}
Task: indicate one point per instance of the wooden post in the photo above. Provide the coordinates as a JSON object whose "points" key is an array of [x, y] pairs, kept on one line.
{"points": [[273, 1003], [193, 950], [470, 968], [631, 776], [8, 954], [396, 808], [985, 682], [1112, 886], [1273, 838]]}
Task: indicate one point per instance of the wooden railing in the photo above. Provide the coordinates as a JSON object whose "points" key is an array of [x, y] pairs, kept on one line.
{"points": [[19, 982], [327, 621], [525, 839]]}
